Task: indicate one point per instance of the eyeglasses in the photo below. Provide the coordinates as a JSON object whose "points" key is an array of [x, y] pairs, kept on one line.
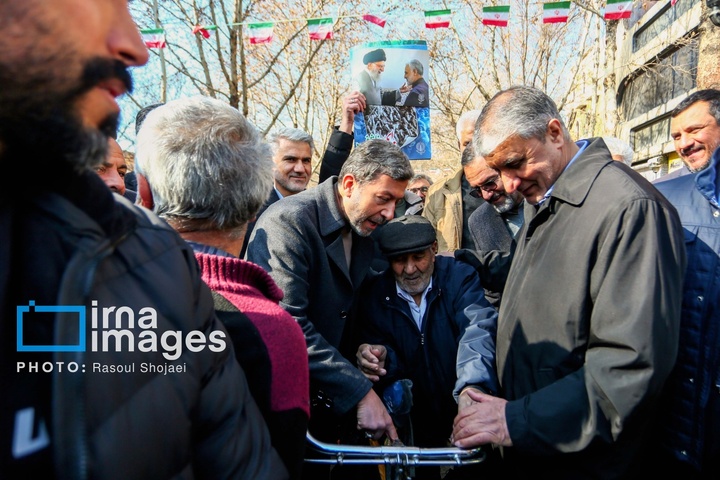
{"points": [[488, 186], [419, 189]]}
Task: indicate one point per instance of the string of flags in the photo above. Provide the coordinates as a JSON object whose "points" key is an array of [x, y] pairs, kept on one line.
{"points": [[322, 28]]}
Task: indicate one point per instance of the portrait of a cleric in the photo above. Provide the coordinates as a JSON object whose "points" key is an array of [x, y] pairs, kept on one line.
{"points": [[369, 79]]}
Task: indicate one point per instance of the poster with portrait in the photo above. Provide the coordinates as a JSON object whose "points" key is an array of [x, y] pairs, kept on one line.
{"points": [[394, 76]]}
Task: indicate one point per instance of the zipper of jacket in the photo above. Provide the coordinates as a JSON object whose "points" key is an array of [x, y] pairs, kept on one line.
{"points": [[430, 301], [71, 293]]}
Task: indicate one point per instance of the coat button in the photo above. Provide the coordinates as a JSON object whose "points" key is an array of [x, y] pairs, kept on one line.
{"points": [[716, 214], [343, 314], [700, 298]]}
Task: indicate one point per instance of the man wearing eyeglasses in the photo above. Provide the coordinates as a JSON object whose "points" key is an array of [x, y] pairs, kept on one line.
{"points": [[493, 225], [419, 185], [486, 184]]}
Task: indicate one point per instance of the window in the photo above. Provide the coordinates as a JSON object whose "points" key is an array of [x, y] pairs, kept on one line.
{"points": [[657, 83], [658, 25], [650, 134]]}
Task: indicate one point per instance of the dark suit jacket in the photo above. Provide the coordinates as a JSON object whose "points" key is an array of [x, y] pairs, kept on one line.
{"points": [[588, 328], [299, 243], [493, 251], [271, 199], [419, 95]]}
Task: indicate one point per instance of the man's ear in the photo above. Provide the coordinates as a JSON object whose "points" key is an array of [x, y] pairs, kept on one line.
{"points": [[555, 132], [144, 194], [435, 247], [347, 184]]}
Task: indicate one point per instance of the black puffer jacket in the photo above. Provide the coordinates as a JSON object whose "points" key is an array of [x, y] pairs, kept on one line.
{"points": [[102, 252]]}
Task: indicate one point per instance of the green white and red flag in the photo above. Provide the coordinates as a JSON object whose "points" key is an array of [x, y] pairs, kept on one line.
{"points": [[320, 28], [496, 16], [617, 9], [437, 18], [154, 37], [556, 12], [204, 30], [261, 32], [376, 19]]}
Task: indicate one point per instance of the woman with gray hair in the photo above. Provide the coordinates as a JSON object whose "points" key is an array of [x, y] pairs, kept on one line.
{"points": [[209, 171]]}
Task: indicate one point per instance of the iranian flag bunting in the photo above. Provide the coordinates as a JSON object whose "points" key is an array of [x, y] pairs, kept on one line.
{"points": [[617, 9], [154, 38], [496, 16], [203, 30], [556, 12], [320, 28], [437, 18], [376, 19], [261, 32]]}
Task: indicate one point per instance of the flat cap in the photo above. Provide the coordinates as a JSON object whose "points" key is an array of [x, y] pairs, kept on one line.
{"points": [[406, 234], [374, 56]]}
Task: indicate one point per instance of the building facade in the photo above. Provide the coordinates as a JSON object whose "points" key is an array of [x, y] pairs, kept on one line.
{"points": [[664, 52]]}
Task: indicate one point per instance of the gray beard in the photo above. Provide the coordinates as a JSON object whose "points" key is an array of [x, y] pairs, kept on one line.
{"points": [[701, 168], [507, 205]]}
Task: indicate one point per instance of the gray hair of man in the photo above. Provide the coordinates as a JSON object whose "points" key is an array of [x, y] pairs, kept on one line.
{"points": [[469, 116], [415, 64], [619, 148], [373, 158], [290, 134], [519, 110], [208, 167], [420, 176], [468, 155]]}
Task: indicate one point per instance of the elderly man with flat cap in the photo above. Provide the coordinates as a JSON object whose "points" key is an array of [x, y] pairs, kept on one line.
{"points": [[410, 323], [368, 80]]}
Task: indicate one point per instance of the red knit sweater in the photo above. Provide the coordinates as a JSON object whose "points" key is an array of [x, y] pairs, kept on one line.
{"points": [[249, 288]]}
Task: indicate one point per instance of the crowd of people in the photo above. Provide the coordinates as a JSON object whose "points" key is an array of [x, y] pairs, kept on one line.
{"points": [[545, 302]]}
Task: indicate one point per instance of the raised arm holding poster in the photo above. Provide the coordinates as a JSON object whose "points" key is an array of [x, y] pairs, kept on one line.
{"points": [[393, 77]]}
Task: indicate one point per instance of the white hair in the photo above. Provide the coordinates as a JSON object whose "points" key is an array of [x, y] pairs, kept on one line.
{"points": [[621, 148], [470, 116]]}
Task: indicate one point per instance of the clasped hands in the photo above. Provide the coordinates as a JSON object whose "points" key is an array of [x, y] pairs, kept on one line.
{"points": [[371, 360]]}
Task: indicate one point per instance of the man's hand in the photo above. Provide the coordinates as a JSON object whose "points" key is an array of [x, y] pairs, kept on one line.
{"points": [[465, 400], [481, 422], [371, 360], [353, 103], [373, 417]]}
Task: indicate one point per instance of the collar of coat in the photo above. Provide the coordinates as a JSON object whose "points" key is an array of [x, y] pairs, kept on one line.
{"points": [[574, 184], [332, 218], [706, 180]]}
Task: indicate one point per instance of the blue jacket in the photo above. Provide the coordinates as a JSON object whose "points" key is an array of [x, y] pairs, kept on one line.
{"points": [[696, 376], [428, 357]]}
